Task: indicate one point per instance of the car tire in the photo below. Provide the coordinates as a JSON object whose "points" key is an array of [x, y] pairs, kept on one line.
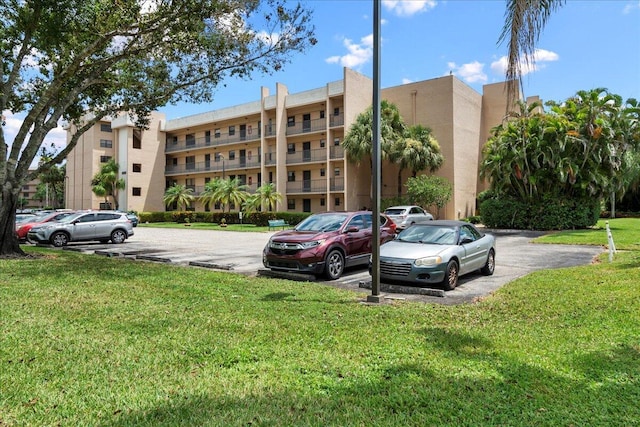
{"points": [[490, 265], [118, 236], [59, 239], [334, 265], [450, 280]]}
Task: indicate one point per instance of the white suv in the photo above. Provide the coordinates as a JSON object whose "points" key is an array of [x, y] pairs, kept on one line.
{"points": [[404, 216], [83, 226]]}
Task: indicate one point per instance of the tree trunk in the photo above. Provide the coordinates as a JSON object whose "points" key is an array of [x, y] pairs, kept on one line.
{"points": [[9, 244]]}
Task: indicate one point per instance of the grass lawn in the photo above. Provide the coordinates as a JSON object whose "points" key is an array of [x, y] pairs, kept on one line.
{"points": [[625, 232], [89, 340]]}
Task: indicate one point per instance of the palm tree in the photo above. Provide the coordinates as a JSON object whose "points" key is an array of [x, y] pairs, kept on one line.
{"points": [[268, 196], [210, 194], [179, 194], [231, 192], [524, 21], [418, 150], [106, 182]]}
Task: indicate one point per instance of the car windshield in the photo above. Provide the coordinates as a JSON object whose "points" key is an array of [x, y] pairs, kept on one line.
{"points": [[394, 211], [430, 234], [324, 222]]}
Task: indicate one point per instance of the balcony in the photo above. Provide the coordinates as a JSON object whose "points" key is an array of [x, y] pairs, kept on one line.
{"points": [[336, 152], [336, 120], [315, 125], [209, 141], [336, 184], [212, 166], [306, 156], [307, 186]]}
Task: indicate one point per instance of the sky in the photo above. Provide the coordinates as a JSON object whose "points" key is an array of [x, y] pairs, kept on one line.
{"points": [[586, 44]]}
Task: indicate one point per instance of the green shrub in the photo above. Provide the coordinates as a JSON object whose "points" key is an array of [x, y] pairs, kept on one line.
{"points": [[549, 213]]}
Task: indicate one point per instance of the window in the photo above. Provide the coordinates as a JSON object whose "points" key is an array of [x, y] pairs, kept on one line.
{"points": [[336, 172], [322, 114], [25, 187], [322, 172], [216, 133], [190, 140], [291, 176], [25, 195], [336, 111], [322, 143], [104, 159], [105, 127], [173, 140], [137, 139], [322, 201], [336, 141], [136, 191], [291, 121], [232, 154], [291, 148], [232, 130], [291, 204], [106, 143], [174, 161], [207, 137], [337, 201], [137, 167]]}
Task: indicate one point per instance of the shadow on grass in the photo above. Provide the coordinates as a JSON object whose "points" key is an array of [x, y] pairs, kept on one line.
{"points": [[501, 390]]}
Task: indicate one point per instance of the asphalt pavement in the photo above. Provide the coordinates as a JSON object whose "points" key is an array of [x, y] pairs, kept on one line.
{"points": [[241, 252]]}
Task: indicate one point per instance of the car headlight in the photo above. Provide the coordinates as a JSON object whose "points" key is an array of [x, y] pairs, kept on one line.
{"points": [[428, 261], [312, 244]]}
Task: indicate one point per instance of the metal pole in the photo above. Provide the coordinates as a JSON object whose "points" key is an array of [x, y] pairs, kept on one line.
{"points": [[375, 296]]}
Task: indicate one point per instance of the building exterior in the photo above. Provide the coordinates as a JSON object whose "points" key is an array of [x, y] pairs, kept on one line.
{"points": [[292, 140]]}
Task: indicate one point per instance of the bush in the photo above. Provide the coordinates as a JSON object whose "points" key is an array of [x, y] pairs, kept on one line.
{"points": [[260, 219], [549, 213]]}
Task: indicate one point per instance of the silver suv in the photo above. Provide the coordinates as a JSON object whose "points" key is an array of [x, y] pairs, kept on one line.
{"points": [[83, 226], [404, 216]]}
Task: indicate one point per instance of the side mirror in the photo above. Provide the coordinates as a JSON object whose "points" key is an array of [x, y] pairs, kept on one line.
{"points": [[466, 240], [352, 229]]}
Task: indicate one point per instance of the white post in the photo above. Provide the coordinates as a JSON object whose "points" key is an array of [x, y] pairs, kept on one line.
{"points": [[612, 246]]}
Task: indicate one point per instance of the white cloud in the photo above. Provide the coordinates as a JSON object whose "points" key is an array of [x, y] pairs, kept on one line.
{"points": [[540, 59], [629, 8], [409, 7], [473, 72], [358, 53]]}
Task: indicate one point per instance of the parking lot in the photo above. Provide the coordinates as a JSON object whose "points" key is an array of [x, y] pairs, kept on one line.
{"points": [[241, 252]]}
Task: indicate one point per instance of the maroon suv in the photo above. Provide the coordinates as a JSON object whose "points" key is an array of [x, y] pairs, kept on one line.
{"points": [[326, 243]]}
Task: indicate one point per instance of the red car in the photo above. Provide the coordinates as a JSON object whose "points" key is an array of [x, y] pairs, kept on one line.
{"points": [[23, 228], [326, 243]]}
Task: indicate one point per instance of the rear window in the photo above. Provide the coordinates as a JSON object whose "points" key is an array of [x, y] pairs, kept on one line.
{"points": [[394, 211]]}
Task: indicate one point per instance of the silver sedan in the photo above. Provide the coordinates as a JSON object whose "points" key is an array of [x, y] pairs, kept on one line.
{"points": [[437, 252]]}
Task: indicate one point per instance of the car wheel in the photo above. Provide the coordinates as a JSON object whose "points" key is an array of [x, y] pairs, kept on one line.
{"points": [[488, 268], [59, 239], [334, 265], [118, 236], [451, 276]]}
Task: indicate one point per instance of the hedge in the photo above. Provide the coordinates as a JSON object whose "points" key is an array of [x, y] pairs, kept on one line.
{"points": [[548, 213], [260, 219]]}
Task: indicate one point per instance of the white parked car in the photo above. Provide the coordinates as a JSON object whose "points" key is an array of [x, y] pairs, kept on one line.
{"points": [[404, 216], [84, 226]]}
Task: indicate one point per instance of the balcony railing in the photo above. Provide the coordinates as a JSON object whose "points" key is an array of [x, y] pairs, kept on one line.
{"points": [[336, 152], [269, 159], [305, 156], [212, 166], [209, 141], [336, 184], [336, 120], [307, 186], [314, 125]]}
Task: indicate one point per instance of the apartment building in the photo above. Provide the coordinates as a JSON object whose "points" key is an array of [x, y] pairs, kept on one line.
{"points": [[292, 140]]}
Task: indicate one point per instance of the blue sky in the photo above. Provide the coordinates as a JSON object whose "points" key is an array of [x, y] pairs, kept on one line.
{"points": [[586, 44]]}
